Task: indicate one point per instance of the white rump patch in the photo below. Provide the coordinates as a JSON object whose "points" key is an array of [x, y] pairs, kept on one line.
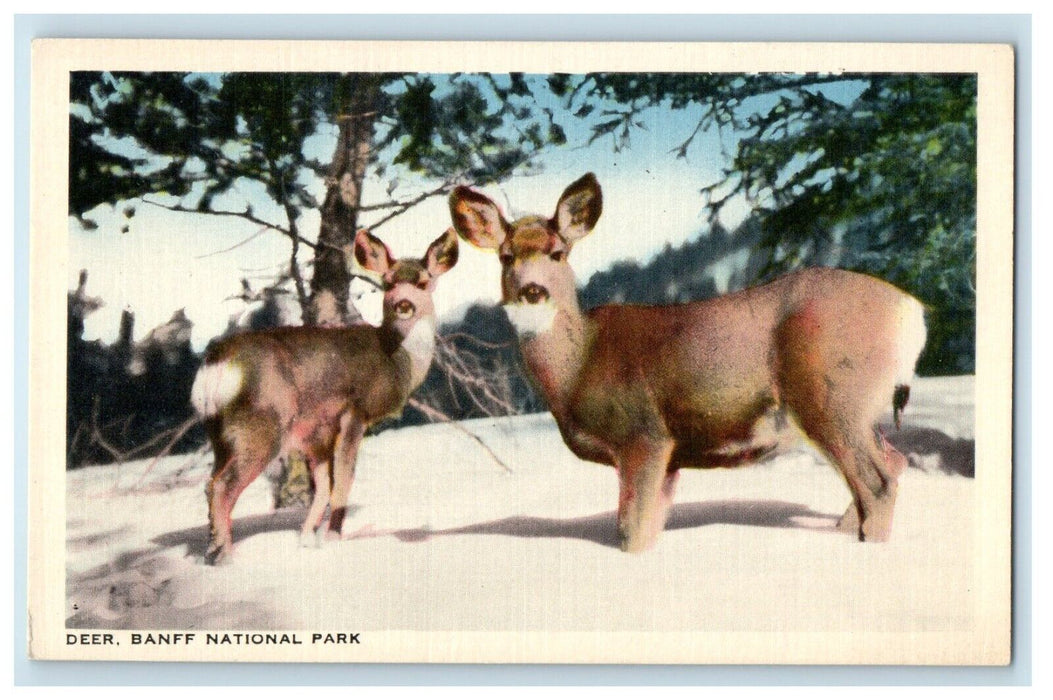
{"points": [[531, 320], [215, 386], [911, 339]]}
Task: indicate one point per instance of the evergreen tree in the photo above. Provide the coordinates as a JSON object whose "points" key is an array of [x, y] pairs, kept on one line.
{"points": [[195, 137], [875, 173]]}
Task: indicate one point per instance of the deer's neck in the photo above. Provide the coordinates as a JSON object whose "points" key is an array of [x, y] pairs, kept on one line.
{"points": [[413, 352], [556, 353]]}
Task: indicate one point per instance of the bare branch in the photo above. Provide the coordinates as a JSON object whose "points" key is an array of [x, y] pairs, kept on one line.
{"points": [[294, 272], [177, 433], [100, 440], [478, 341], [367, 278], [248, 296], [706, 118], [121, 456], [233, 247], [362, 115], [436, 414], [402, 207], [247, 215], [481, 386], [294, 237], [74, 442]]}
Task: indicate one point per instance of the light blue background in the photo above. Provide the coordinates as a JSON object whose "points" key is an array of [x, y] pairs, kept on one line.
{"points": [[1010, 29]]}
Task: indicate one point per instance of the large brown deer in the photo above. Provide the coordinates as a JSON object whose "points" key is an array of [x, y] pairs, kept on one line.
{"points": [[316, 390], [653, 389]]}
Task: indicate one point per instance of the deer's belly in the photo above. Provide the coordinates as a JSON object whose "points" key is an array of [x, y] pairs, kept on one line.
{"points": [[704, 443], [313, 431], [740, 433]]}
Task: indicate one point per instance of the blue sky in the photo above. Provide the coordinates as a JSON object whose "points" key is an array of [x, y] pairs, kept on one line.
{"points": [[169, 261]]}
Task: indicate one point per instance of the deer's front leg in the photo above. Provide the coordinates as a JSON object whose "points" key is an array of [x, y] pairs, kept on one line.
{"points": [[345, 453], [646, 491]]}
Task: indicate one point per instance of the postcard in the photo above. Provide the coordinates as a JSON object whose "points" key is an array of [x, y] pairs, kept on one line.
{"points": [[630, 353]]}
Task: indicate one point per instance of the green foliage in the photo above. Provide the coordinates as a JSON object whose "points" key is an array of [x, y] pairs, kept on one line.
{"points": [[185, 135], [471, 130], [195, 136], [105, 165], [875, 173]]}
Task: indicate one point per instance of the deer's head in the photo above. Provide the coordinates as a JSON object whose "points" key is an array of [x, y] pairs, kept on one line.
{"points": [[408, 283], [536, 278]]}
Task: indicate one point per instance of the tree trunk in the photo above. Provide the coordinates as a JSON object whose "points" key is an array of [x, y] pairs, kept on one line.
{"points": [[329, 285]]}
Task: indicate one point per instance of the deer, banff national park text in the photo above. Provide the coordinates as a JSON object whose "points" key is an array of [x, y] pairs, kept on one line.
{"points": [[219, 639]]}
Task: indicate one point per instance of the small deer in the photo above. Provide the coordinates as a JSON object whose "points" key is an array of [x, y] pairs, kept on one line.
{"points": [[653, 389], [316, 390]]}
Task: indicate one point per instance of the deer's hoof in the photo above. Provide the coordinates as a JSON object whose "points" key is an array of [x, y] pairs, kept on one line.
{"points": [[875, 533], [634, 542], [217, 554], [877, 525]]}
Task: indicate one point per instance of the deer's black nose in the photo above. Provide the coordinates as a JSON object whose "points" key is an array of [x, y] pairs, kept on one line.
{"points": [[533, 294]]}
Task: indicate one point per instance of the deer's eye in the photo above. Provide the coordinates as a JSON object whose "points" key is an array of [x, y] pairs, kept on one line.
{"points": [[533, 294], [558, 255], [404, 309]]}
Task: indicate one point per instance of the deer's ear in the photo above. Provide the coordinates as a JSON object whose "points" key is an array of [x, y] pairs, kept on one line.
{"points": [[476, 218], [442, 254], [371, 253], [579, 208]]}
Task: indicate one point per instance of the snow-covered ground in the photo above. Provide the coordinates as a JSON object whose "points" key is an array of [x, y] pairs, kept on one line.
{"points": [[445, 539]]}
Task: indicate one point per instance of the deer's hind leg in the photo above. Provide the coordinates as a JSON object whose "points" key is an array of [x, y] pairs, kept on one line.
{"points": [[241, 455], [889, 463], [850, 445], [835, 384], [874, 491], [320, 475], [219, 545]]}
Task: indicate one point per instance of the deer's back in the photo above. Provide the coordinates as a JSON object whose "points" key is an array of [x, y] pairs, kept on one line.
{"points": [[708, 367], [302, 371]]}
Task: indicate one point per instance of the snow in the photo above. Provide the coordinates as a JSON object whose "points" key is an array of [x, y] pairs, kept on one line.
{"points": [[443, 538]]}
